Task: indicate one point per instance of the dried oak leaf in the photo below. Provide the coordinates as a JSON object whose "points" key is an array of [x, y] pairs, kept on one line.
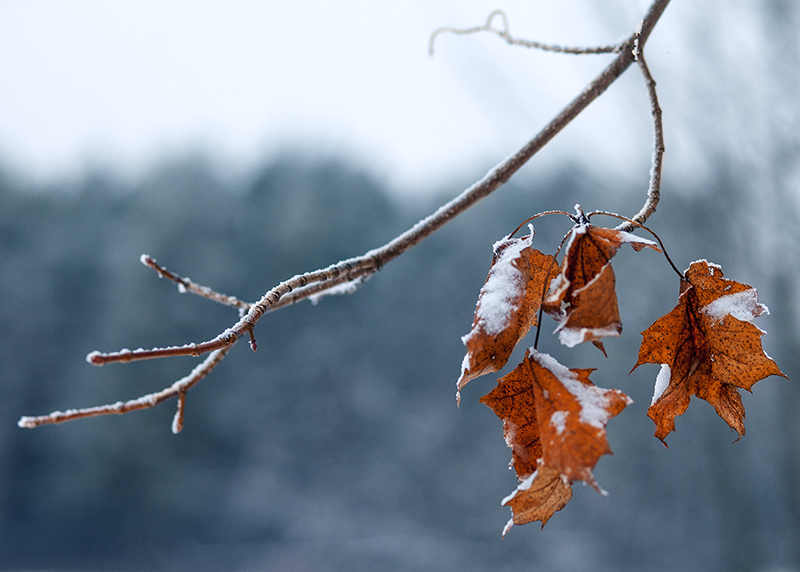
{"points": [[707, 347], [554, 421], [507, 306], [538, 497], [583, 297]]}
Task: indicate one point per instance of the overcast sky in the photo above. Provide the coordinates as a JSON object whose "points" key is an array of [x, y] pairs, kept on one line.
{"points": [[124, 85]]}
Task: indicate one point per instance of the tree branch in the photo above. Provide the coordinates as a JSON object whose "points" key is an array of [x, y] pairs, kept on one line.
{"points": [[187, 285], [314, 283], [654, 189], [178, 388]]}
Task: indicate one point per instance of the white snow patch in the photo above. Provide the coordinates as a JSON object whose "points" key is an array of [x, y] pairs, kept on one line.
{"points": [[504, 286], [571, 337], [662, 381], [557, 284], [523, 486], [339, 290], [464, 366], [91, 356], [578, 229], [592, 399], [177, 423], [508, 526], [712, 267], [559, 421], [742, 306], [632, 238]]}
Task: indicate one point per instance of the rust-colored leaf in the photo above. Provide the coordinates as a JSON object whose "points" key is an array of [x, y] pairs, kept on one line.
{"points": [[514, 401], [538, 497], [583, 297], [554, 421], [507, 306], [707, 347], [573, 414]]}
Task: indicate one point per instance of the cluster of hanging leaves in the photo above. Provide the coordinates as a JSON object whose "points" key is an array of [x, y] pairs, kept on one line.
{"points": [[554, 417]]}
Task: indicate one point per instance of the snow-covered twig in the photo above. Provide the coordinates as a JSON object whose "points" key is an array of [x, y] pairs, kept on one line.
{"points": [[654, 188], [179, 388], [187, 285]]}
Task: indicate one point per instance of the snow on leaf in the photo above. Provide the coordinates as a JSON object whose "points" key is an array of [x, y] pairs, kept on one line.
{"points": [[742, 305], [538, 497], [583, 298], [584, 409], [662, 382], [554, 421], [709, 348], [507, 306]]}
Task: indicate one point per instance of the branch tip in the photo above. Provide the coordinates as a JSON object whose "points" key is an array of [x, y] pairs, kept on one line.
{"points": [[177, 421], [95, 358]]}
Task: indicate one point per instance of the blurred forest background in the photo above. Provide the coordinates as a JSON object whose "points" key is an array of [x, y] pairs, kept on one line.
{"points": [[338, 444]]}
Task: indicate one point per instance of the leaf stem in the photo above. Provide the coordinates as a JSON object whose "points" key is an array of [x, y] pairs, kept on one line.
{"points": [[537, 215], [547, 285], [640, 225]]}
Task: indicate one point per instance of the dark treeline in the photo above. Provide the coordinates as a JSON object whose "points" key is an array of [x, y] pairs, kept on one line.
{"points": [[338, 445]]}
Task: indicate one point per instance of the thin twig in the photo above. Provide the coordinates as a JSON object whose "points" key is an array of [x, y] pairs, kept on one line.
{"points": [[506, 35], [345, 271], [177, 421], [187, 285], [654, 187], [633, 225], [537, 215], [180, 387], [372, 261]]}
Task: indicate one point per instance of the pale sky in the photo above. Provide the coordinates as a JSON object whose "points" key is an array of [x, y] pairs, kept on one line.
{"points": [[123, 85]]}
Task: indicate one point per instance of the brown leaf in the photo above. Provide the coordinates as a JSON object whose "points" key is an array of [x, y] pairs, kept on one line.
{"points": [[573, 413], [554, 422], [507, 306], [538, 497], [583, 296], [707, 348], [514, 401]]}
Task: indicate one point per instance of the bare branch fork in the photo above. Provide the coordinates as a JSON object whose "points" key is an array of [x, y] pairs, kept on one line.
{"points": [[347, 275]]}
